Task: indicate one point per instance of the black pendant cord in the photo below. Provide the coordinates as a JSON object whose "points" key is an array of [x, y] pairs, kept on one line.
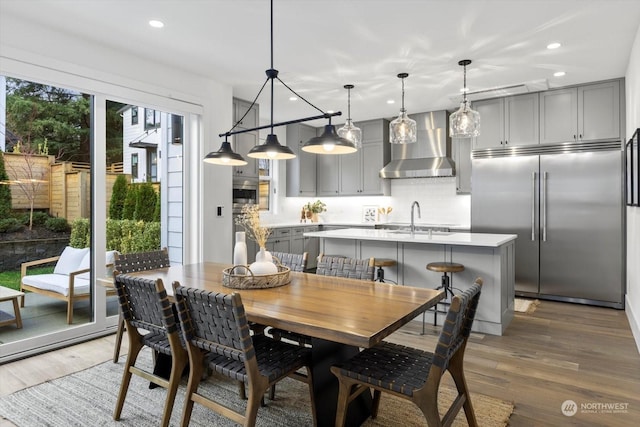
{"points": [[272, 74]]}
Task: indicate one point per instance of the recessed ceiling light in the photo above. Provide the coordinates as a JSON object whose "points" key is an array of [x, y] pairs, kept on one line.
{"points": [[559, 74], [464, 89], [391, 101], [156, 24], [293, 98], [554, 45], [330, 111]]}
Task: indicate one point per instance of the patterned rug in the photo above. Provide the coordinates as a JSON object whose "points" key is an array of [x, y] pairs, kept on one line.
{"points": [[527, 306], [87, 398]]}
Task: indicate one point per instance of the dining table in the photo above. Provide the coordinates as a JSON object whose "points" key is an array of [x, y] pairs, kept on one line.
{"points": [[340, 315]]}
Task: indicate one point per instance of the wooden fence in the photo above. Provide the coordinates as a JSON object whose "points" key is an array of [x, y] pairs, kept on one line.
{"points": [[63, 188]]}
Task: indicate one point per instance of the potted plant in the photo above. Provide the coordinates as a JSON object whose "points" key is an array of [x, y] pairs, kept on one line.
{"points": [[312, 210]]}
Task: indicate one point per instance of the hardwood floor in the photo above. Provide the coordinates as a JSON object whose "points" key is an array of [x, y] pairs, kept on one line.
{"points": [[560, 352]]}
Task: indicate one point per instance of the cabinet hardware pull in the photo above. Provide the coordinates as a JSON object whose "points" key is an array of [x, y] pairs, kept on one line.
{"points": [[533, 206]]}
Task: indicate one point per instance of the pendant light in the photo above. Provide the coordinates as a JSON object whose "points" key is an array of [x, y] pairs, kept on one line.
{"points": [[329, 143], [225, 156], [349, 131], [403, 130], [272, 149], [464, 123]]}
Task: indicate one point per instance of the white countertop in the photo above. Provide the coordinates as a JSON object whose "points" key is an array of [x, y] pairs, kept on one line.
{"points": [[439, 238]]}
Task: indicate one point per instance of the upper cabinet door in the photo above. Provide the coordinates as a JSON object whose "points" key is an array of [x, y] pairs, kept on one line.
{"points": [[491, 123], [327, 174], [599, 111], [240, 108], [521, 124], [558, 116]]}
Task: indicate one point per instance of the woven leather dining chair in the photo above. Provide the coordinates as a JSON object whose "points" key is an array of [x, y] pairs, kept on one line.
{"points": [[145, 306], [130, 263], [216, 329], [296, 262], [414, 374], [352, 268]]}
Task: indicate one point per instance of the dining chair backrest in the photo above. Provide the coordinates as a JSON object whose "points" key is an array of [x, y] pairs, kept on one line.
{"points": [[296, 262], [144, 304], [141, 261], [352, 268], [215, 322], [457, 326]]}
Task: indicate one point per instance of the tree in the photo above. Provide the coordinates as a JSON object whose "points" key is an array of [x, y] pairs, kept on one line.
{"points": [[5, 190], [129, 208], [118, 195], [27, 176], [145, 203]]}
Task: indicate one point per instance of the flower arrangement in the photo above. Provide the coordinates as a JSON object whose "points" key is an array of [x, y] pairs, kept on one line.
{"points": [[315, 207], [249, 219]]}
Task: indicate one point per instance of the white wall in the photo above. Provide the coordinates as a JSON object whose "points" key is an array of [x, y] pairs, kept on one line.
{"points": [[632, 85]]}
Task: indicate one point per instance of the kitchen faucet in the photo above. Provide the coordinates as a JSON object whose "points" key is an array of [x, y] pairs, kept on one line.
{"points": [[413, 205]]}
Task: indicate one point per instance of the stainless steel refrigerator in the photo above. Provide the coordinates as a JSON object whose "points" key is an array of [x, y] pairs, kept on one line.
{"points": [[565, 203]]}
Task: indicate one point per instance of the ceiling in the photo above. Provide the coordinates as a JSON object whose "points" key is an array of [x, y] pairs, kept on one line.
{"points": [[321, 45]]}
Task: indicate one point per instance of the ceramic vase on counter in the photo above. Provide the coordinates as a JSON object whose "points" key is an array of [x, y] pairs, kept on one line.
{"points": [[240, 252], [264, 263]]}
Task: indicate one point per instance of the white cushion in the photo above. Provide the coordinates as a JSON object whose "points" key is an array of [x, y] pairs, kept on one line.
{"points": [[86, 261], [70, 260], [58, 283]]}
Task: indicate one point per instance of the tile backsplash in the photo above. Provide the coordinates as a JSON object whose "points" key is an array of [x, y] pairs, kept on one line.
{"points": [[439, 204]]}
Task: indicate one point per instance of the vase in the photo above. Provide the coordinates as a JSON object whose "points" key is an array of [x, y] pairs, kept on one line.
{"points": [[314, 217], [240, 252], [264, 263]]}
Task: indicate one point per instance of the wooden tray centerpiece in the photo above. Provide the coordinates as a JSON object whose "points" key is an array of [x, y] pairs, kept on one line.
{"points": [[235, 278]]}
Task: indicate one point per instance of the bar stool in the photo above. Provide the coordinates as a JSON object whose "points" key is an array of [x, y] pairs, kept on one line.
{"points": [[382, 262], [444, 268]]}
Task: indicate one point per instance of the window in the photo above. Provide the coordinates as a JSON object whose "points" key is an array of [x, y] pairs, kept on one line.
{"points": [[134, 115], [176, 129], [152, 165], [151, 119], [134, 165], [265, 184]]}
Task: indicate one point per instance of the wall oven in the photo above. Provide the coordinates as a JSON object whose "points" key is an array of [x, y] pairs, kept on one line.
{"points": [[245, 192]]}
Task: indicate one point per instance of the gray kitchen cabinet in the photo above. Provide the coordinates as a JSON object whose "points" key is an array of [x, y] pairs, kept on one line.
{"points": [[509, 121], [461, 151], [584, 113], [301, 171], [244, 142], [357, 174], [327, 175], [280, 240], [311, 245]]}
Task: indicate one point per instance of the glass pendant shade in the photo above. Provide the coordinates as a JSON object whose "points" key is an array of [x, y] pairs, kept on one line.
{"points": [[349, 130], [464, 123], [271, 150], [352, 133], [225, 156], [329, 143], [403, 130]]}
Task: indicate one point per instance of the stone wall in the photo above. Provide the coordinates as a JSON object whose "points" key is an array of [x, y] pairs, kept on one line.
{"points": [[15, 252]]}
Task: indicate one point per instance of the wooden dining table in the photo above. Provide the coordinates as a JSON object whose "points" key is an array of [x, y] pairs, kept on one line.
{"points": [[340, 315]]}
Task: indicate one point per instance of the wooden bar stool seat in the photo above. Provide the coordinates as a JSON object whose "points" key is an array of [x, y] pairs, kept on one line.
{"points": [[382, 262], [445, 268]]}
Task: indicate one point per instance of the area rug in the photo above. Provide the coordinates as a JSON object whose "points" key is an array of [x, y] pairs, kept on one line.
{"points": [[527, 306], [87, 398]]}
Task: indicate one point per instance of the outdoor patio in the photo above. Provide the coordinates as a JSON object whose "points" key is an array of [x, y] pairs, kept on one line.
{"points": [[42, 315]]}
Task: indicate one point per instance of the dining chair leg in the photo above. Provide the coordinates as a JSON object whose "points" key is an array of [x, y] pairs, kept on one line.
{"points": [[134, 349], [343, 402], [377, 394], [178, 363], [195, 375], [255, 401], [119, 334], [457, 373]]}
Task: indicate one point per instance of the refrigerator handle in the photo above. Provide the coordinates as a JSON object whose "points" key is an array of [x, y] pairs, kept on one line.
{"points": [[544, 206], [533, 206]]}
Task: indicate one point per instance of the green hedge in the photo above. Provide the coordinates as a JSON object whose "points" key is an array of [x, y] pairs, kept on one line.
{"points": [[124, 236]]}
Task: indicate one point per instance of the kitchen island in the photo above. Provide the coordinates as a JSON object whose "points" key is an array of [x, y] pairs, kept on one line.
{"points": [[490, 256]]}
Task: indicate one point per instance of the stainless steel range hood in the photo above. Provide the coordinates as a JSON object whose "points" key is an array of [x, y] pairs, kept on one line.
{"points": [[429, 156]]}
